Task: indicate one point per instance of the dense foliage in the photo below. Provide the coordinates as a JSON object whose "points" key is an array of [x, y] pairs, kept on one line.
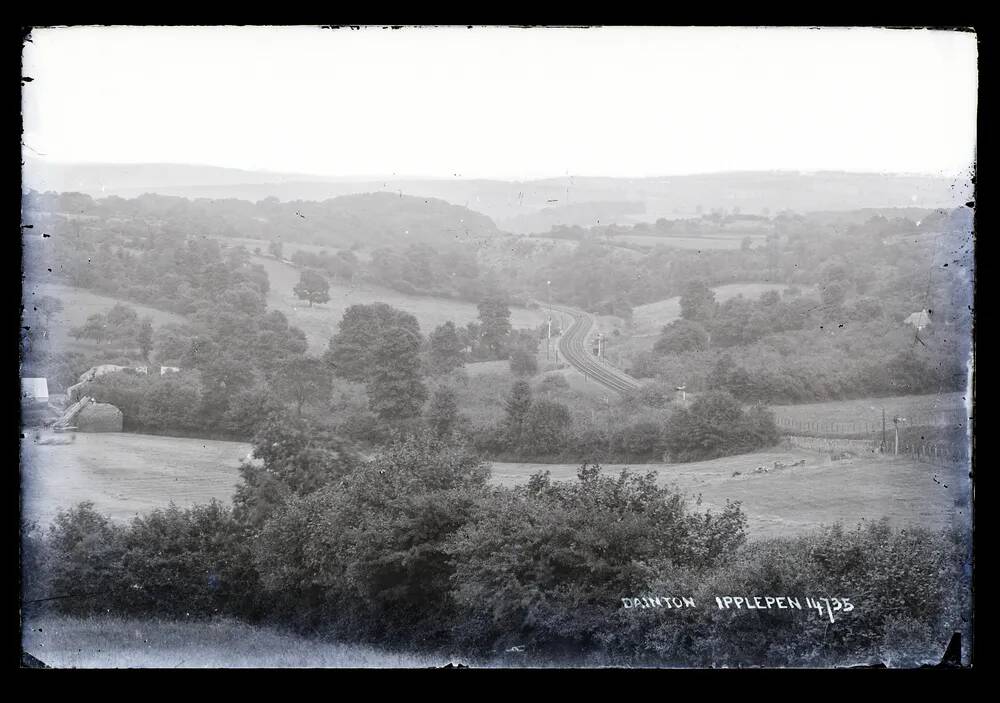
{"points": [[414, 548]]}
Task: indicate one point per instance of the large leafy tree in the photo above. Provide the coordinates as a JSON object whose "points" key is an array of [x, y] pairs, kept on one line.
{"points": [[48, 307], [716, 425], [681, 336], [446, 350], [395, 388], [352, 351], [302, 380], [517, 407], [312, 286], [494, 319], [443, 411], [294, 457], [546, 427], [698, 301]]}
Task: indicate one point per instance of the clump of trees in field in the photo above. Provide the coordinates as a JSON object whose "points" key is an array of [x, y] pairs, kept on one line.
{"points": [[120, 326], [415, 548], [312, 286]]}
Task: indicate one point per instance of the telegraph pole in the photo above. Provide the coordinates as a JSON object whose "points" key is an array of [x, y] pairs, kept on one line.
{"points": [[883, 429], [548, 342]]}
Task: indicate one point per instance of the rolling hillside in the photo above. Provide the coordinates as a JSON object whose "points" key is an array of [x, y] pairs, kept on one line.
{"points": [[319, 322], [515, 204]]}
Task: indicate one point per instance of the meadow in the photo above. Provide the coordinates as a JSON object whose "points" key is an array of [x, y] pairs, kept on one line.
{"points": [[78, 305], [108, 642], [126, 474], [790, 501], [649, 319], [319, 322], [839, 417], [698, 243]]}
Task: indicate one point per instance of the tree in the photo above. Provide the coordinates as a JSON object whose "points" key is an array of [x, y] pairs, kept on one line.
{"points": [[312, 286], [144, 337], [698, 301], [523, 362], [494, 318], [395, 389], [274, 248], [443, 412], [446, 349], [517, 406], [303, 380], [297, 457], [94, 328], [351, 354], [715, 425], [48, 306], [681, 336], [546, 427]]}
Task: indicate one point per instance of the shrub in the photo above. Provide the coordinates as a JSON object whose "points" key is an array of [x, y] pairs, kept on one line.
{"points": [[715, 425], [547, 564], [376, 542]]}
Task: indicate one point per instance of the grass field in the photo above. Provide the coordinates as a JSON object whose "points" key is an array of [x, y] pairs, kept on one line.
{"points": [[705, 243], [125, 474], [790, 501], [866, 414], [79, 304], [320, 321], [96, 642], [650, 318]]}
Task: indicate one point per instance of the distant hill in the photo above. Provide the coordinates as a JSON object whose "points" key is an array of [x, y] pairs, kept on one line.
{"points": [[364, 219], [513, 204]]}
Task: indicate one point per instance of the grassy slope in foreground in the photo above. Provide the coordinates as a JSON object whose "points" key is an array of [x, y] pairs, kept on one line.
{"points": [[125, 474], [65, 642]]}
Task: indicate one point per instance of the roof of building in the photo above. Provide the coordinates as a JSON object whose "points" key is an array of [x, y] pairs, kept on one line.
{"points": [[37, 388]]}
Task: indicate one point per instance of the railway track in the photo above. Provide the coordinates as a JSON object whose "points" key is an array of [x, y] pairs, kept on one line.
{"points": [[573, 345]]}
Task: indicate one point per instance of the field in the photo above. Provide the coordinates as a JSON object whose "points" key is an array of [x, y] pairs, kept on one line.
{"points": [[650, 318], [86, 643], [320, 321], [792, 500], [79, 304], [704, 243], [125, 474], [865, 415]]}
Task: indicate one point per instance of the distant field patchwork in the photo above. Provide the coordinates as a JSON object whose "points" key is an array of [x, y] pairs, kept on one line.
{"points": [[320, 321], [705, 243]]}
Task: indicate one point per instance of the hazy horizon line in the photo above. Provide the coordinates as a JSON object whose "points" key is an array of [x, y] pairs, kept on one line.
{"points": [[516, 179]]}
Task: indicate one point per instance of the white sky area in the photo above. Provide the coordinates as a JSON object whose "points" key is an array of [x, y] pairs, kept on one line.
{"points": [[505, 102]]}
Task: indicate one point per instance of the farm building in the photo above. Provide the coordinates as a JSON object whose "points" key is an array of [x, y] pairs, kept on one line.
{"points": [[34, 401], [35, 390]]}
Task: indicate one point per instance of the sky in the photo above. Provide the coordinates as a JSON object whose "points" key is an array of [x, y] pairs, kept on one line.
{"points": [[504, 102]]}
